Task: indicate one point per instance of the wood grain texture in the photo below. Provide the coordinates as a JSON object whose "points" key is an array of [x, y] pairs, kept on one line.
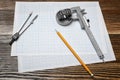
{"points": [[102, 71]]}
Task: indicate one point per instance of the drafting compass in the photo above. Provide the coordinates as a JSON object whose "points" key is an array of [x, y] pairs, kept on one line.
{"points": [[19, 33]]}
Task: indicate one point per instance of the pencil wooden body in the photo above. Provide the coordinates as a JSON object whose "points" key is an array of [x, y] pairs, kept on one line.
{"points": [[74, 53], [104, 71]]}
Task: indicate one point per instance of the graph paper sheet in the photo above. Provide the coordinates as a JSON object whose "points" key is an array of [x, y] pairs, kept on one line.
{"points": [[40, 46]]}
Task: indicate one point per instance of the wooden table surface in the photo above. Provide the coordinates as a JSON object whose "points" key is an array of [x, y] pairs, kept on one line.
{"points": [[102, 71]]}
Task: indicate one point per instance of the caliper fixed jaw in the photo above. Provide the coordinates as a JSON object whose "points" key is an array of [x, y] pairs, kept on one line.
{"points": [[66, 16]]}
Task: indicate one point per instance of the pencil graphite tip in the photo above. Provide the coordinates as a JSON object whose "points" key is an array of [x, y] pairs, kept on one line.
{"points": [[56, 30]]}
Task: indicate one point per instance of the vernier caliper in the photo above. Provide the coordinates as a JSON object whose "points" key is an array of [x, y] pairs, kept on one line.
{"points": [[65, 17]]}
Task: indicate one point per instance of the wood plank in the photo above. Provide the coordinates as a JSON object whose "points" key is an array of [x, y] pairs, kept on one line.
{"points": [[105, 4], [8, 64], [110, 12], [13, 79], [6, 29], [111, 4], [105, 72], [6, 17]]}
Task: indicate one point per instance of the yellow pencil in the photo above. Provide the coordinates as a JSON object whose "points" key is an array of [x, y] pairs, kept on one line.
{"points": [[74, 53]]}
